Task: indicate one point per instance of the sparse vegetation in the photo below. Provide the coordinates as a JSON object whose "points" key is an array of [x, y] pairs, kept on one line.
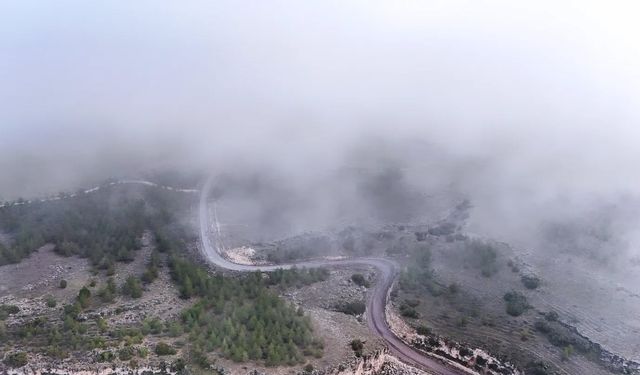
{"points": [[442, 229], [418, 277], [108, 292], [132, 287], [126, 353], [483, 256], [16, 359]]}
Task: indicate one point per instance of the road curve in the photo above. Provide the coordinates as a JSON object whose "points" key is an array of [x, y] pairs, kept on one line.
{"points": [[377, 296]]}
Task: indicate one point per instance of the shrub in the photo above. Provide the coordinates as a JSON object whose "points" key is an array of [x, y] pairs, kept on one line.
{"points": [[63, 284], [132, 287], [51, 302], [125, 353], [483, 256], [551, 316], [538, 368], [352, 308], [308, 368], [461, 322], [6, 310], [412, 302], [142, 352], [465, 352], [442, 229], [162, 348], [106, 356], [567, 351], [530, 281], [542, 326], [423, 330], [107, 293], [178, 365], [516, 303], [357, 346], [84, 296], [453, 288], [408, 311], [360, 280], [16, 359]]}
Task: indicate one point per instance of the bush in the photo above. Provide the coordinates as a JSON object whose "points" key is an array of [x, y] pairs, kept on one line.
{"points": [[360, 280], [567, 351], [483, 256], [551, 316], [162, 348], [465, 352], [142, 352], [516, 303], [132, 287], [453, 288], [107, 293], [51, 302], [461, 322], [412, 302], [63, 284], [357, 346], [538, 368], [178, 365], [423, 330], [125, 353], [16, 359], [308, 368], [408, 311], [542, 326], [106, 356], [530, 281], [352, 308], [442, 229], [84, 297], [6, 310]]}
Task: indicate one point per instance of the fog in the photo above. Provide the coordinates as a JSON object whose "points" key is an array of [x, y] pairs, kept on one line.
{"points": [[530, 111]]}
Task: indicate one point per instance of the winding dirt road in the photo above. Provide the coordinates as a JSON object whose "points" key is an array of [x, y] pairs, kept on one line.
{"points": [[377, 296]]}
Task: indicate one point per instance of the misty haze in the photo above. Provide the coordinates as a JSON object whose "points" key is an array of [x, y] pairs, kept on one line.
{"points": [[335, 187]]}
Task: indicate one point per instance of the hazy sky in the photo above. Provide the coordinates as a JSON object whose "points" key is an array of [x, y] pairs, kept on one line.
{"points": [[544, 94]]}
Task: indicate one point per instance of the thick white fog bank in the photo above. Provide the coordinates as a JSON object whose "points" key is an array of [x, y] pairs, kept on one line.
{"points": [[531, 111]]}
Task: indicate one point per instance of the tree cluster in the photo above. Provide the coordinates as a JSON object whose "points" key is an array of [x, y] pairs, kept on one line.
{"points": [[297, 277], [242, 318]]}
